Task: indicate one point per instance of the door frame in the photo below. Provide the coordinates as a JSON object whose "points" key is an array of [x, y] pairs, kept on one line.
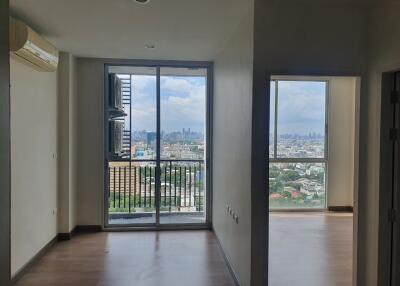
{"points": [[259, 178], [388, 175], [158, 64]]}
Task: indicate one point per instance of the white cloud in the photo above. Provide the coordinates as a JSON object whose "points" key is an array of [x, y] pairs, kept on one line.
{"points": [[179, 85], [184, 105], [301, 107], [143, 86]]}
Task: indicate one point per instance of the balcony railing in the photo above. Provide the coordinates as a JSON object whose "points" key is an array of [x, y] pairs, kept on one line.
{"points": [[132, 186]]}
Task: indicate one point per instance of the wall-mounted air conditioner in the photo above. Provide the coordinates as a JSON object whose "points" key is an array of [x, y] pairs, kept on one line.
{"points": [[27, 46]]}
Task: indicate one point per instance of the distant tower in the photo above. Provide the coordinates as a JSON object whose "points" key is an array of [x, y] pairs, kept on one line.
{"points": [[184, 134], [151, 139]]}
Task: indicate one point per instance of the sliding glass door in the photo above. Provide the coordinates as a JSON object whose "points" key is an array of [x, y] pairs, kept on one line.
{"points": [[159, 174], [298, 144], [183, 145]]}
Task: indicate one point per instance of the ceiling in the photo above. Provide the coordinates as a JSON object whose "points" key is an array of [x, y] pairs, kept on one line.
{"points": [[179, 29]]}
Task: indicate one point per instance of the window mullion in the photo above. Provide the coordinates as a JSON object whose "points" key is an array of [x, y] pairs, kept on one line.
{"points": [[276, 121]]}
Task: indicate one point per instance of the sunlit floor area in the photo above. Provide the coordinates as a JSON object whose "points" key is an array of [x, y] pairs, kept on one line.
{"points": [[165, 218], [178, 258], [310, 249]]}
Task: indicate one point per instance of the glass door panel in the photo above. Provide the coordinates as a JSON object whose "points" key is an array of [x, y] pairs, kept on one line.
{"points": [[156, 146], [183, 144], [132, 198]]}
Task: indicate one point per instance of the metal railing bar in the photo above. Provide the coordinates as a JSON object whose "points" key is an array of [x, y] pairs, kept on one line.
{"points": [[180, 187], [194, 187], [200, 187], [145, 182], [134, 187], [170, 174], [124, 185], [184, 186], [175, 185], [109, 183], [140, 187], [190, 186], [165, 186], [150, 188], [119, 187], [114, 187], [183, 191], [130, 186]]}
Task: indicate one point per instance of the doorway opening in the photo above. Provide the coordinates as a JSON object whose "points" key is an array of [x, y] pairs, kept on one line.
{"points": [[313, 175], [157, 145]]}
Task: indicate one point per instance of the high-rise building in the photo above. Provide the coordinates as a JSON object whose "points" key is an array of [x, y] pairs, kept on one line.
{"points": [[151, 140]]}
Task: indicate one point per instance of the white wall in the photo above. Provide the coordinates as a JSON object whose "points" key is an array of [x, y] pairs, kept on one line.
{"points": [[90, 142], [5, 178], [73, 143], [67, 139], [34, 162], [341, 144], [384, 45], [232, 147]]}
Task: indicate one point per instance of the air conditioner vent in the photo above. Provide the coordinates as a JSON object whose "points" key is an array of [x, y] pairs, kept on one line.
{"points": [[30, 48]]}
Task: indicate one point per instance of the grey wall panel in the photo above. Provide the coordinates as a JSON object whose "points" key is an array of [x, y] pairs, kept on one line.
{"points": [[5, 188]]}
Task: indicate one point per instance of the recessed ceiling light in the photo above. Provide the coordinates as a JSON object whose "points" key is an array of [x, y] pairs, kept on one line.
{"points": [[150, 46], [142, 1]]}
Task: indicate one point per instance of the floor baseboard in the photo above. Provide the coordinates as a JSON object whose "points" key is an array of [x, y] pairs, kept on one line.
{"points": [[87, 228], [79, 228], [27, 266], [232, 272], [340, 209], [64, 236]]}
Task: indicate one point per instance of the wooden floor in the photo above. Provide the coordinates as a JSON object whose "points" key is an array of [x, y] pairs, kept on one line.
{"points": [[305, 249], [310, 249], [166, 258]]}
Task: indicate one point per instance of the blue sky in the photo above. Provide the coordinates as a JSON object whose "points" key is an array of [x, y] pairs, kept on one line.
{"points": [[301, 104], [182, 103], [301, 107]]}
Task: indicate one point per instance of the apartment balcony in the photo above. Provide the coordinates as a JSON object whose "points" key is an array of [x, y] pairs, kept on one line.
{"points": [[132, 193]]}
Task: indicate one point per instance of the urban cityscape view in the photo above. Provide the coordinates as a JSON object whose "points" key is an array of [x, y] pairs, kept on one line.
{"points": [[297, 184], [295, 181], [185, 144], [297, 171], [181, 187]]}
